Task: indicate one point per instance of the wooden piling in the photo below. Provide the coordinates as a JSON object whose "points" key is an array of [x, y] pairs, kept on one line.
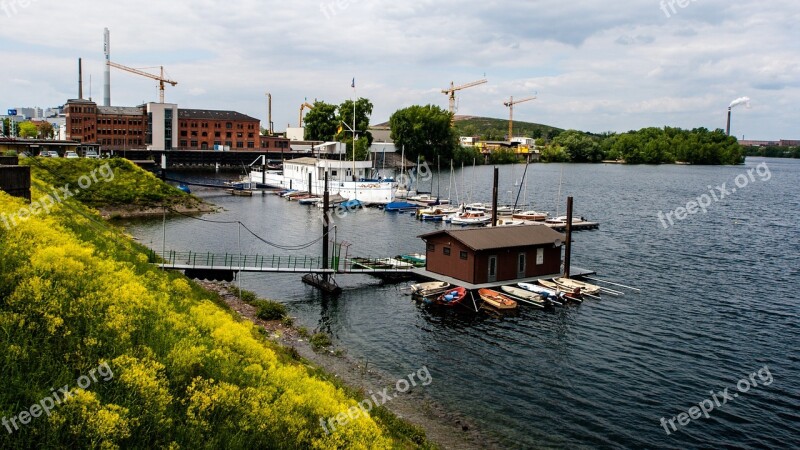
{"points": [[494, 197], [325, 225], [568, 249], [16, 181]]}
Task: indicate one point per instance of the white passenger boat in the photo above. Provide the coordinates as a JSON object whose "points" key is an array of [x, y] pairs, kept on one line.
{"points": [[295, 175]]}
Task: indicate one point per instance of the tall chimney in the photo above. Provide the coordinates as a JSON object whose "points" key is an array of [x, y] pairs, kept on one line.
{"points": [[728, 128], [107, 51], [80, 79]]}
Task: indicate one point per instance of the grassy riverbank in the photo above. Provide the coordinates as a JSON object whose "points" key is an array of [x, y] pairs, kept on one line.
{"points": [[77, 294]]}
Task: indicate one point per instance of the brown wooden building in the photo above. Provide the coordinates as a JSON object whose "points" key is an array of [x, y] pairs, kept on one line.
{"points": [[496, 254]]}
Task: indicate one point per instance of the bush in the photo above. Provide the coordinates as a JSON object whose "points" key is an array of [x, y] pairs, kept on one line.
{"points": [[320, 340], [269, 310]]}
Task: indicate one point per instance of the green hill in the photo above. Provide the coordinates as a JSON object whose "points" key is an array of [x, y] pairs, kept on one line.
{"points": [[496, 129]]}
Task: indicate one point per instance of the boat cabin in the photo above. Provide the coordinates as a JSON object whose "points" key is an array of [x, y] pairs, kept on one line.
{"points": [[496, 254]]}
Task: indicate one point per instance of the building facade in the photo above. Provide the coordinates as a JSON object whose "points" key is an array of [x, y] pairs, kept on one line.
{"points": [[496, 254], [164, 126]]}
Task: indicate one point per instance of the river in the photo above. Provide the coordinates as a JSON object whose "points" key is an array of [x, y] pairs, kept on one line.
{"points": [[718, 303]]}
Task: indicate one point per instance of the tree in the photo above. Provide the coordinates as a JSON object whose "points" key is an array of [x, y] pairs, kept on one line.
{"points": [[344, 118], [321, 122], [46, 130], [28, 130], [580, 146], [424, 131], [554, 153]]}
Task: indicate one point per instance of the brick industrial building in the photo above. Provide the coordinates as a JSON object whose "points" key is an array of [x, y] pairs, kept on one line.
{"points": [[151, 126]]}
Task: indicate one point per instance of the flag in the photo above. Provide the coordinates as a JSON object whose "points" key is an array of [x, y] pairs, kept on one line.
{"points": [[339, 130], [353, 84]]}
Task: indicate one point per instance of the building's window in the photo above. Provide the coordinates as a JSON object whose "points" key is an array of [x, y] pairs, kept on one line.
{"points": [[446, 251], [239, 135], [251, 144], [228, 125], [217, 142], [431, 247], [266, 144], [205, 134], [228, 143], [194, 144], [250, 135], [183, 133], [240, 144], [463, 255], [194, 133], [217, 134], [184, 144], [521, 263], [228, 134], [539, 256]]}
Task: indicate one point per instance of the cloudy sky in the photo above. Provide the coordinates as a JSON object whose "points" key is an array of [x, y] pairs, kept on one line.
{"points": [[595, 66]]}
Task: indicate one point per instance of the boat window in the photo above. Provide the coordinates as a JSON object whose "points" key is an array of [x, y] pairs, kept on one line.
{"points": [[464, 255], [446, 250]]}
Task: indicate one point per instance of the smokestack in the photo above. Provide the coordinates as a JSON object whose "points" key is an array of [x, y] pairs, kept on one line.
{"points": [[80, 79], [107, 51], [728, 128]]}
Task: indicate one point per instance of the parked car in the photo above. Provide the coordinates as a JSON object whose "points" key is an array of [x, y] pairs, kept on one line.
{"points": [[91, 154], [71, 155], [53, 154]]}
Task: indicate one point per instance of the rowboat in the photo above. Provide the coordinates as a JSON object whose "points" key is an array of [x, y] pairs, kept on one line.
{"points": [[531, 215], [570, 284], [452, 297], [429, 289], [555, 296], [526, 296], [400, 207], [570, 294], [417, 259], [496, 299], [309, 200]]}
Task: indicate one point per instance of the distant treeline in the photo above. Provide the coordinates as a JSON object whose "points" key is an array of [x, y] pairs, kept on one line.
{"points": [[646, 146], [773, 152]]}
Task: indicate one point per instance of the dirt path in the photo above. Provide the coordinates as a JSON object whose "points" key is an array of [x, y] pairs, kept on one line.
{"points": [[445, 428]]}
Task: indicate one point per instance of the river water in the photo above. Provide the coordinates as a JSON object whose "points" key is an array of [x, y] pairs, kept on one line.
{"points": [[718, 303]]}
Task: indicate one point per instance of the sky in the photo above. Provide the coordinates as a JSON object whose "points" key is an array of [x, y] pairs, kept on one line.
{"points": [[593, 66]]}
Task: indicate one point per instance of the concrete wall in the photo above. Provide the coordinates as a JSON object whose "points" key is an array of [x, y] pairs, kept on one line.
{"points": [[157, 113]]}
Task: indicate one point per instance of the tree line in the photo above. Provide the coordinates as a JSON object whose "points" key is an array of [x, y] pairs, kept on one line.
{"points": [[427, 132]]}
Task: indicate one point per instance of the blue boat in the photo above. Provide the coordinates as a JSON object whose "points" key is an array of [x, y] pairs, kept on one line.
{"points": [[351, 204], [184, 188], [400, 207]]}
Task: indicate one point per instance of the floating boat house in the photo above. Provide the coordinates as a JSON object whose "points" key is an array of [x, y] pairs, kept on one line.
{"points": [[495, 254]]}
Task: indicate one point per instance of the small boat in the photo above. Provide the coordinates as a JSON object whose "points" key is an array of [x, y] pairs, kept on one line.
{"points": [[555, 296], [400, 207], [351, 204], [526, 296], [562, 220], [184, 188], [417, 259], [570, 284], [395, 263], [430, 288], [496, 299], [569, 294], [509, 222], [531, 215], [309, 200], [427, 199], [435, 214], [298, 196], [452, 297], [470, 218]]}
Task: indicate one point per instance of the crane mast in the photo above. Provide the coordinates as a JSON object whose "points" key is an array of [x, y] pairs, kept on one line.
{"points": [[451, 92], [510, 104]]}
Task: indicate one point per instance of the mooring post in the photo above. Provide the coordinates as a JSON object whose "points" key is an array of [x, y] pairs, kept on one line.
{"points": [[325, 200], [568, 249], [309, 184], [494, 197]]}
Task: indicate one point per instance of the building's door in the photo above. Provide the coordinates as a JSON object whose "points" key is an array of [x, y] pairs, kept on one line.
{"points": [[521, 265], [492, 269]]}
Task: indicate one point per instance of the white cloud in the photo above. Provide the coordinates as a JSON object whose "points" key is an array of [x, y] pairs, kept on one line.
{"points": [[596, 66]]}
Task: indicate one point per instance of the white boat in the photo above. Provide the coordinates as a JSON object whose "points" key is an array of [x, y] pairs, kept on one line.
{"points": [[524, 294], [470, 218], [504, 222], [427, 199], [430, 288], [395, 263], [562, 220], [570, 284], [436, 213], [295, 175]]}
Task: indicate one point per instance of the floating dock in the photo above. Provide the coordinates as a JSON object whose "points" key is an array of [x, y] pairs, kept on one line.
{"points": [[422, 273]]}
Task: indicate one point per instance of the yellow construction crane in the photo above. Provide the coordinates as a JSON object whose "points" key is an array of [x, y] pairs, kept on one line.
{"points": [[451, 91], [302, 107], [161, 80], [510, 104]]}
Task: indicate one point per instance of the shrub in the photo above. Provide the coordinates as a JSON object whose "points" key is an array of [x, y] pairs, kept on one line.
{"points": [[269, 310], [320, 340]]}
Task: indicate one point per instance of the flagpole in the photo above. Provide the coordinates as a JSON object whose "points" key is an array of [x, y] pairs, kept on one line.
{"points": [[354, 130]]}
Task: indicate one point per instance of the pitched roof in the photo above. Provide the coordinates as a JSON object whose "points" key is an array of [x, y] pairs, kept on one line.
{"points": [[210, 114], [491, 238]]}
